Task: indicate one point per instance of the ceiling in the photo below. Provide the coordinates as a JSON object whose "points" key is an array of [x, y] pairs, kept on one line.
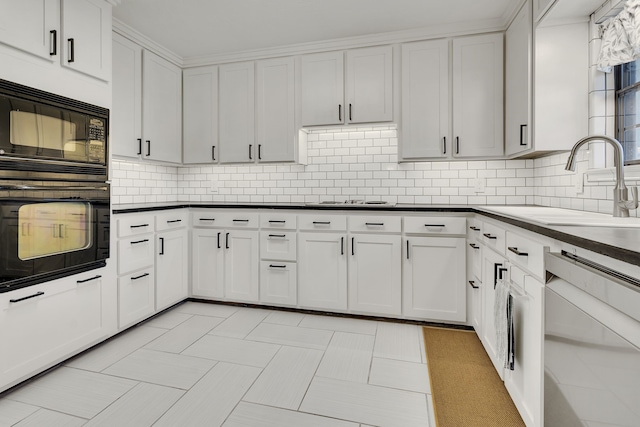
{"points": [[196, 28]]}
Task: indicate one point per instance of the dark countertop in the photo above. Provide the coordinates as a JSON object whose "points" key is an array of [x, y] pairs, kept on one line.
{"points": [[618, 243]]}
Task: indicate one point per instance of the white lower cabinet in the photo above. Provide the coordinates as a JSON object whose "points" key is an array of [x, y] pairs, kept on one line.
{"points": [[433, 282], [493, 268], [172, 260], [322, 264], [375, 274], [43, 324], [136, 296], [278, 283], [207, 260]]}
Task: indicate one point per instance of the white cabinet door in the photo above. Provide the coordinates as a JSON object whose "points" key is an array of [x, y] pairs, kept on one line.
{"points": [[241, 265], [200, 115], [207, 263], [44, 324], [491, 265], [518, 67], [426, 121], [31, 26], [433, 278], [275, 110], [278, 283], [136, 297], [236, 113], [322, 264], [162, 109], [478, 96], [172, 277], [322, 89], [370, 85], [126, 112], [86, 37], [375, 274]]}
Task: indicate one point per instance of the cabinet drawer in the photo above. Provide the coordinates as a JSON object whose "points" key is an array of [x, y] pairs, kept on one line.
{"points": [[172, 219], [434, 225], [135, 253], [238, 219], [136, 297], [278, 283], [276, 220], [493, 237], [278, 245], [322, 222], [135, 224], [525, 253], [378, 224], [206, 218]]}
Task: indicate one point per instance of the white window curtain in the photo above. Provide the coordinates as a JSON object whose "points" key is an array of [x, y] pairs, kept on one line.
{"points": [[621, 38]]}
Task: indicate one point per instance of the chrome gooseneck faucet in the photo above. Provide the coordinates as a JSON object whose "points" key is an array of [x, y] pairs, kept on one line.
{"points": [[621, 201]]}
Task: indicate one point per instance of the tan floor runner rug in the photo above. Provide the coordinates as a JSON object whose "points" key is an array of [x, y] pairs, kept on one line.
{"points": [[466, 388]]}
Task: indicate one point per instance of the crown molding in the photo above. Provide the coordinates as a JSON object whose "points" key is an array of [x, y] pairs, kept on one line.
{"points": [[432, 32], [114, 2], [144, 41]]}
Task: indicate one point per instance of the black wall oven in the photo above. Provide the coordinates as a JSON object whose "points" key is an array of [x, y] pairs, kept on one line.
{"points": [[50, 230]]}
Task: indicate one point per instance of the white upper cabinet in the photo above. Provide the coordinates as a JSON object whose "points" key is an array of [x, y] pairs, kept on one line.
{"points": [[478, 96], [322, 89], [200, 115], [518, 68], [236, 113], [162, 109], [426, 122], [369, 85], [77, 33], [86, 30], [126, 114], [275, 110]]}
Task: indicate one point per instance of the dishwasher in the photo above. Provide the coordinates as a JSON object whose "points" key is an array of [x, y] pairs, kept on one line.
{"points": [[591, 344]]}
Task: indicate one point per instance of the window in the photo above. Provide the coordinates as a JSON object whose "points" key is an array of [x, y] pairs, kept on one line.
{"points": [[627, 77]]}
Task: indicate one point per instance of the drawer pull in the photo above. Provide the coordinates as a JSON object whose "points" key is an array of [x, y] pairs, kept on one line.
{"points": [[342, 246], [88, 280], [435, 225], [282, 236], [219, 240], [374, 224], [226, 241], [207, 219], [353, 246], [277, 266], [161, 246], [474, 246], [139, 241], [474, 228], [173, 221], [473, 284], [240, 220], [489, 236], [37, 294], [321, 222], [274, 221], [140, 276], [517, 252], [139, 226]]}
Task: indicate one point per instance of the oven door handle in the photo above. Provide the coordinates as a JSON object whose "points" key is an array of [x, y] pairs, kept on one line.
{"points": [[12, 187]]}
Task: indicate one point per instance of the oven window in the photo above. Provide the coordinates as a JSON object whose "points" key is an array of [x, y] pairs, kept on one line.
{"points": [[53, 228]]}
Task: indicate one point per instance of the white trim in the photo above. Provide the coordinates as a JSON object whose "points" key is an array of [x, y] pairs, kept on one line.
{"points": [[631, 173], [609, 9], [114, 2], [126, 31]]}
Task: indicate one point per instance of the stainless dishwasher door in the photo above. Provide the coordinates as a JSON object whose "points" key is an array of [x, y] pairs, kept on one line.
{"points": [[591, 348]]}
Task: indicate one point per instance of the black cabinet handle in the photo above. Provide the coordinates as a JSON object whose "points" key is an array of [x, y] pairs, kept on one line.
{"points": [[353, 246], [282, 236], [339, 112], [435, 225], [53, 42], [473, 284], [489, 236], [517, 252], [174, 221], [457, 145], [148, 147], [140, 276], [277, 266], [277, 221], [162, 246], [139, 226], [496, 265], [474, 228], [444, 145], [522, 135], [250, 152], [219, 240], [474, 246], [374, 224], [207, 219], [342, 246], [88, 280], [322, 222], [350, 119], [500, 271], [72, 50], [240, 220], [407, 248], [37, 294], [139, 241], [213, 152], [226, 241], [259, 151], [139, 146]]}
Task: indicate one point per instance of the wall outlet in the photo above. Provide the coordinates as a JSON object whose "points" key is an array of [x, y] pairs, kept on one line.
{"points": [[479, 185], [579, 183], [213, 186]]}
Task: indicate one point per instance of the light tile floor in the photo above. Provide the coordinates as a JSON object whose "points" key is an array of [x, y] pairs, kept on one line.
{"points": [[214, 365]]}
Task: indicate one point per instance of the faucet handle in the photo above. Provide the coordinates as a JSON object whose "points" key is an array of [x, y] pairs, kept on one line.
{"points": [[633, 202]]}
